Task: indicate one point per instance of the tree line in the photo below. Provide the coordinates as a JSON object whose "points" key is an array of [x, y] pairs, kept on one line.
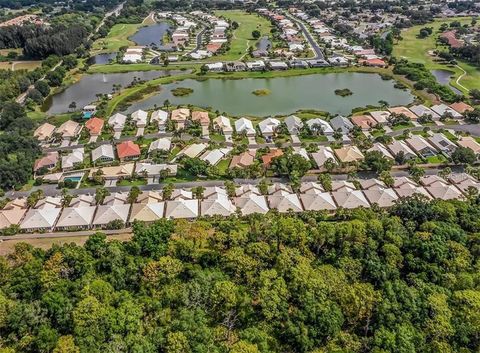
{"points": [[403, 280]]}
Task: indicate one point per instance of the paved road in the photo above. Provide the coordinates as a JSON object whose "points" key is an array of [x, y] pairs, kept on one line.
{"points": [[313, 43], [198, 40]]}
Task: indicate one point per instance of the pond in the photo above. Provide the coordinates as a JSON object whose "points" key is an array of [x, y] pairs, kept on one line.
{"points": [[101, 59], [152, 34], [288, 94], [443, 77], [85, 90], [264, 44]]}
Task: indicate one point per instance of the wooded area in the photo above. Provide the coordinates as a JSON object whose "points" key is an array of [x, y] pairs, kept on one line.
{"points": [[365, 281]]}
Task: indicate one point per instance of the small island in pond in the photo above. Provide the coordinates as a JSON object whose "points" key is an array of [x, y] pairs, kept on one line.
{"points": [[262, 92], [343, 92], [181, 91]]}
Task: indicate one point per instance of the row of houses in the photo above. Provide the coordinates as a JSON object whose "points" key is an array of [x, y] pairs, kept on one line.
{"points": [[290, 31], [181, 35], [83, 212], [365, 56], [216, 31]]}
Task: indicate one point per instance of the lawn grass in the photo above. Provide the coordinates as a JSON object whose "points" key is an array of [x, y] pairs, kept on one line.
{"points": [[116, 38], [437, 159], [242, 36], [223, 166], [136, 182], [416, 50], [403, 126], [20, 65]]}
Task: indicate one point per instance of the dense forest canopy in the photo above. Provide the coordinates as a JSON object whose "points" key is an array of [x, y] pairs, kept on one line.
{"points": [[84, 5], [365, 281]]}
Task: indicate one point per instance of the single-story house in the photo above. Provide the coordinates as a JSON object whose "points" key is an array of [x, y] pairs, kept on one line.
{"points": [[444, 191], [442, 109], [294, 124], [403, 110], [214, 156], [421, 110], [243, 160], [128, 150], [342, 124], [382, 149], [320, 126], [203, 119], [464, 181], [364, 122], [350, 199], [73, 159], [139, 117], [108, 213], [179, 117], [442, 143], [216, 67], [383, 197], [149, 197], [192, 150], [311, 187], [181, 208], [117, 122], [349, 154], [258, 65], [251, 203], [69, 129], [397, 147], [161, 117], [268, 157], [147, 212], [461, 107], [469, 142], [268, 127], [12, 215], [114, 172], [421, 146], [285, 202], [405, 187], [317, 200], [343, 185], [44, 132], [76, 218], [244, 125], [323, 154], [94, 126], [246, 189], [278, 65], [42, 219], [153, 170], [219, 205], [48, 161], [380, 116], [103, 154], [161, 144], [222, 124]]}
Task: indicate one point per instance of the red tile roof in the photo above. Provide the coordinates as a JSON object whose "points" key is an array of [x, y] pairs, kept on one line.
{"points": [[127, 149], [452, 39], [461, 107], [267, 158], [94, 125]]}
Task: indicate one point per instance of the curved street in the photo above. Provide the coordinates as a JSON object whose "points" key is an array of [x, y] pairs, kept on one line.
{"points": [[313, 43]]}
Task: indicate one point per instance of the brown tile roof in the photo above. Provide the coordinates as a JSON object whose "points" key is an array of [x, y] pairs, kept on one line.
{"points": [[364, 121], [243, 160], [201, 117]]}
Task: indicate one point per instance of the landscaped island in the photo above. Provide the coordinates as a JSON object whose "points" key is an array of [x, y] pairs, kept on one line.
{"points": [[343, 92], [262, 92], [182, 91]]}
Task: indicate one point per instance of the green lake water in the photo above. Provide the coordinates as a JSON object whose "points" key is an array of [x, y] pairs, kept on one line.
{"points": [[288, 94]]}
